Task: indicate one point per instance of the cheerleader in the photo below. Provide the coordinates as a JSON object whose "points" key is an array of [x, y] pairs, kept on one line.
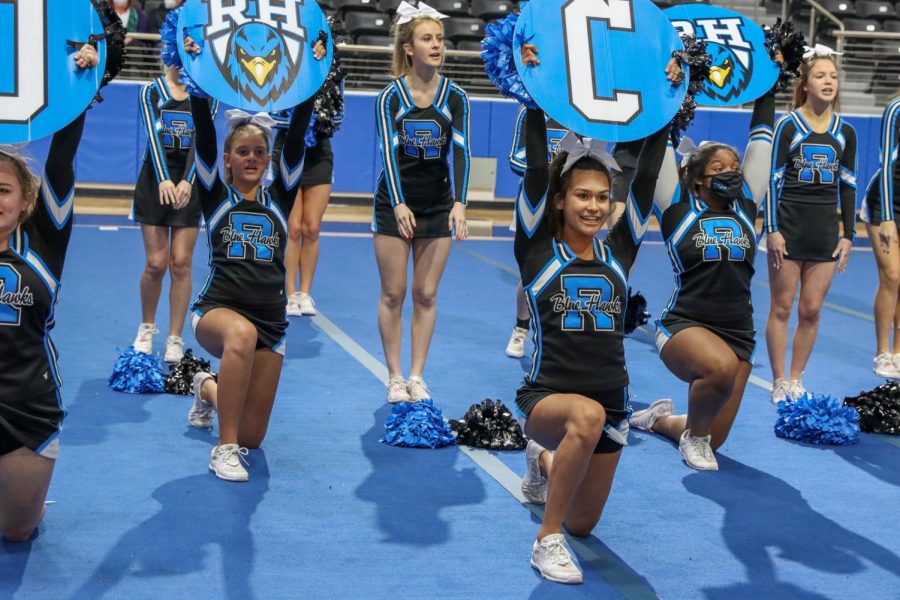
{"points": [[420, 116], [35, 227], [878, 210], [239, 315], [813, 172], [167, 208]]}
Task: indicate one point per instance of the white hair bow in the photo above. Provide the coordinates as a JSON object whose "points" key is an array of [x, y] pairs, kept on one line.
{"points": [[686, 147], [577, 148], [236, 116], [819, 51], [406, 12], [12, 150]]}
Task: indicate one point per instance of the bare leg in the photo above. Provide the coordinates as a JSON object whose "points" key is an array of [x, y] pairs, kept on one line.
{"points": [[783, 288], [24, 480], [315, 201], [814, 283], [429, 259], [260, 398], [392, 256], [292, 248], [156, 247], [589, 500], [886, 306], [180, 260]]}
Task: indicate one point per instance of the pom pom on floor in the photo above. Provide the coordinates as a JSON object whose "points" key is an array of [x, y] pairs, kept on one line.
{"points": [[417, 425], [498, 54], [879, 409], [817, 419], [489, 425], [137, 373], [180, 379]]}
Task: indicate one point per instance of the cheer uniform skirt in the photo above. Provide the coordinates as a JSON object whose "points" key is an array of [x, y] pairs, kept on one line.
{"points": [[870, 211], [147, 209], [810, 231], [741, 340], [432, 216], [34, 423], [318, 163], [271, 325], [614, 402]]}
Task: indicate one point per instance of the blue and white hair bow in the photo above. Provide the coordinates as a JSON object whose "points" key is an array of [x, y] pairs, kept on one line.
{"points": [[819, 51], [13, 150], [577, 148], [687, 147], [236, 116], [406, 12]]}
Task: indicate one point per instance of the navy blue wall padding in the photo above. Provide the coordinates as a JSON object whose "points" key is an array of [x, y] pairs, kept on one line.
{"points": [[114, 140]]}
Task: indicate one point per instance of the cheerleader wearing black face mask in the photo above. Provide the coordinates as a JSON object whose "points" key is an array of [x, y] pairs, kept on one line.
{"points": [[728, 185]]}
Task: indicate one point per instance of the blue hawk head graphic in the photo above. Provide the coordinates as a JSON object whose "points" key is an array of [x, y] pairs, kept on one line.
{"points": [[728, 77], [258, 63]]}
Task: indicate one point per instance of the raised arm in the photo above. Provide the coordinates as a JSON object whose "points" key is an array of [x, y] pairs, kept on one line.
{"points": [[292, 155], [517, 151], [206, 151], [461, 155], [757, 166], [668, 185], [532, 201], [191, 173]]}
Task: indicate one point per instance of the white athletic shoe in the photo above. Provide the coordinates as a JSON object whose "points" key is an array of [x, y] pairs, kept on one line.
{"points": [[307, 305], [202, 412], [551, 557], [781, 390], [397, 390], [644, 419], [896, 359], [143, 342], [225, 462], [174, 349], [516, 346], [293, 306], [796, 389], [417, 389], [534, 484], [884, 366], [697, 452]]}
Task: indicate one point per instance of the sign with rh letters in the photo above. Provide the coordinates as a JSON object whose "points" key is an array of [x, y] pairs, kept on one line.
{"points": [[256, 54], [41, 88], [602, 71], [741, 70]]}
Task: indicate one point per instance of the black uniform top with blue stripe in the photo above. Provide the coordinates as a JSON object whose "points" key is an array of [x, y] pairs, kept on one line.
{"points": [[887, 177], [415, 144], [813, 168], [712, 251], [282, 118], [30, 273], [555, 134], [170, 132], [246, 238], [577, 306]]}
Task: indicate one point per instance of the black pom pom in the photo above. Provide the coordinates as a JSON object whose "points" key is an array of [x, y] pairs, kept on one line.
{"points": [[636, 313], [180, 379], [489, 425], [114, 33], [694, 56], [329, 106], [782, 38], [879, 409]]}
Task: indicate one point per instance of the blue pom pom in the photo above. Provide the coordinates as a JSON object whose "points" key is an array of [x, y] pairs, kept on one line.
{"points": [[417, 425], [137, 373], [169, 47], [817, 419], [499, 61], [191, 86], [311, 138]]}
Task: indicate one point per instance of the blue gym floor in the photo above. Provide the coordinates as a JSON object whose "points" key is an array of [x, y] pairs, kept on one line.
{"points": [[331, 513]]}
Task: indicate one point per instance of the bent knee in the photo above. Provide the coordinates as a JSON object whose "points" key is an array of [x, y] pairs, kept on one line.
{"points": [[241, 336], [581, 527], [587, 422]]}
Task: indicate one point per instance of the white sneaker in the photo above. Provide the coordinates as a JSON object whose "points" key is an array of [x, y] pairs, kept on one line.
{"points": [[225, 462], [781, 390], [174, 349], [397, 391], [644, 419], [417, 389], [796, 389], [534, 484], [516, 346], [884, 366], [202, 412], [552, 559], [697, 452], [307, 305], [293, 306], [143, 342]]}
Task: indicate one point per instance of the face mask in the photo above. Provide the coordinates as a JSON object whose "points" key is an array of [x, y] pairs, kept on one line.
{"points": [[170, 4], [728, 185]]}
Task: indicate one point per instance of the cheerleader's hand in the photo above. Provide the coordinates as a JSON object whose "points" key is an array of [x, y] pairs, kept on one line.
{"points": [[842, 253], [776, 248], [182, 194], [319, 51], [190, 46], [167, 193], [458, 221], [529, 55], [887, 235], [87, 57], [673, 72], [406, 221]]}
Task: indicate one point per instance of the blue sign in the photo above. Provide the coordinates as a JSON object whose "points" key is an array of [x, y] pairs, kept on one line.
{"points": [[256, 54], [41, 88], [741, 69], [602, 71]]}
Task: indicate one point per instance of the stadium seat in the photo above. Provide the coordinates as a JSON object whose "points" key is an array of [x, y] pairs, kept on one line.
{"points": [[470, 45], [463, 28], [375, 40], [663, 4], [488, 10], [326, 4], [878, 10], [389, 6], [347, 6], [892, 27], [453, 8], [679, 2], [367, 23], [861, 25], [840, 8]]}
